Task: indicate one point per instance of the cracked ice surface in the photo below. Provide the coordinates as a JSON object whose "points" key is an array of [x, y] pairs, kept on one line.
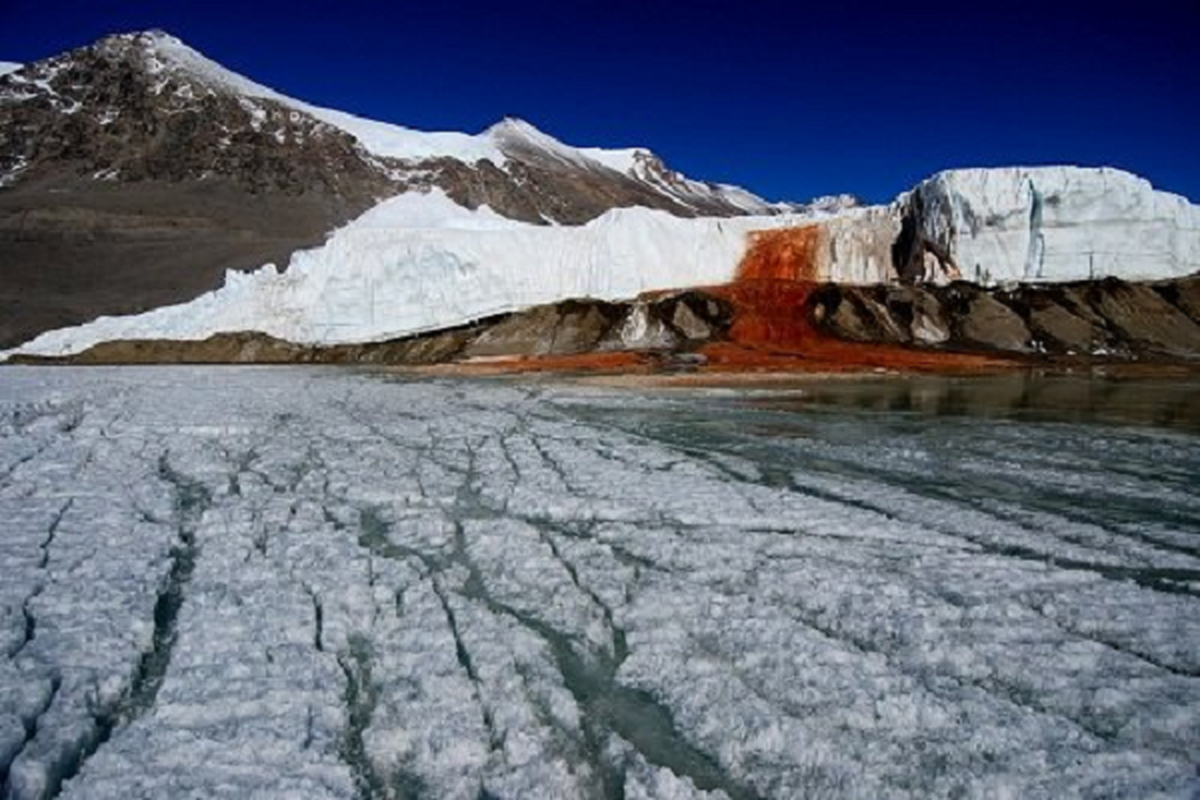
{"points": [[288, 583]]}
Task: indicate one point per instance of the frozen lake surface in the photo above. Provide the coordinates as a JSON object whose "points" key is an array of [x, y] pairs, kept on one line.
{"points": [[279, 583]]}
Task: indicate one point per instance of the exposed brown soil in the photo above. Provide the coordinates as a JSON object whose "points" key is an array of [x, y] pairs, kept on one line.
{"points": [[73, 249]]}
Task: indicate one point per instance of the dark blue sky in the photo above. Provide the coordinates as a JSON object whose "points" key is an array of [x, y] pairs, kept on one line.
{"points": [[789, 99]]}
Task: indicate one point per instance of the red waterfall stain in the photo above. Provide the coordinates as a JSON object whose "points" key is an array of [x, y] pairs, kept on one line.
{"points": [[772, 330], [771, 288], [786, 254]]}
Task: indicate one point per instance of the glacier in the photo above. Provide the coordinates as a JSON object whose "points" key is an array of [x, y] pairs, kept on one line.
{"points": [[419, 262], [1059, 224], [312, 583]]}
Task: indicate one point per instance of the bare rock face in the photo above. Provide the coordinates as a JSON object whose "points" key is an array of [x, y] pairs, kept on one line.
{"points": [[690, 324], [1183, 293], [560, 329], [569, 328], [1060, 330], [1105, 319], [1145, 319], [990, 323], [930, 324], [108, 113], [847, 319], [586, 326]]}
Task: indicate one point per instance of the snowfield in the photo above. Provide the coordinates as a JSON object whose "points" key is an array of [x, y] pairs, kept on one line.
{"points": [[300, 583]]}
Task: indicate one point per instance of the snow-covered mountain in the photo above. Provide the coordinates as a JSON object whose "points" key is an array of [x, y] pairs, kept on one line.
{"points": [[146, 105]]}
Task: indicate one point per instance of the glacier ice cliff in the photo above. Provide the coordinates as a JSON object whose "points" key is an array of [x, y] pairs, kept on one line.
{"points": [[1056, 224]]}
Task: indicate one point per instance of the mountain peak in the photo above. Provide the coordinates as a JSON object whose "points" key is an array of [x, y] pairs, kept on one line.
{"points": [[146, 105], [160, 53], [516, 136]]}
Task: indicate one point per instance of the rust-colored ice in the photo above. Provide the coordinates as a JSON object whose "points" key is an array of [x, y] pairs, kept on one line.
{"points": [[785, 254]]}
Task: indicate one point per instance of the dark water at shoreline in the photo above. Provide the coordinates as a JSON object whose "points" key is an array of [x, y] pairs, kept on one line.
{"points": [[1170, 403]]}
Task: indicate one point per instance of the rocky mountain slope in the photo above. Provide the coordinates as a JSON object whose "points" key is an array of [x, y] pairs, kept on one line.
{"points": [[145, 106], [134, 172]]}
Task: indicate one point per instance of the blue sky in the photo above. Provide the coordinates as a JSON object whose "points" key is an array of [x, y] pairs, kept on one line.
{"points": [[788, 99]]}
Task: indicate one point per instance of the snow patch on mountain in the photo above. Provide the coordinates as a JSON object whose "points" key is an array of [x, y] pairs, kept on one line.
{"points": [[622, 160], [167, 53], [7, 67], [512, 132]]}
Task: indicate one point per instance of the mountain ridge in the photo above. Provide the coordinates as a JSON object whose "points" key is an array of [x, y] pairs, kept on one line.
{"points": [[158, 70]]}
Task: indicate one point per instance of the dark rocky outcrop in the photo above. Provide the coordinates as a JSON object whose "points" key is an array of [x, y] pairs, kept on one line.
{"points": [[575, 326], [685, 321], [1103, 319]]}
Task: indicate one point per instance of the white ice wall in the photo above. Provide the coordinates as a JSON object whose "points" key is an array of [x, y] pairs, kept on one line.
{"points": [[1060, 223], [419, 262]]}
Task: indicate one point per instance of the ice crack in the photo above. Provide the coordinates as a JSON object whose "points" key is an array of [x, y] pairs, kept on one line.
{"points": [[607, 705], [464, 660], [192, 499], [32, 725], [318, 618], [361, 699]]}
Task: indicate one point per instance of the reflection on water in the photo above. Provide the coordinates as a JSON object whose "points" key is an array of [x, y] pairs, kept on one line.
{"points": [[1161, 402]]}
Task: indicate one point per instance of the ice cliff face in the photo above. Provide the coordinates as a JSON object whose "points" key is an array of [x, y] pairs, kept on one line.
{"points": [[419, 262], [1054, 224]]}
